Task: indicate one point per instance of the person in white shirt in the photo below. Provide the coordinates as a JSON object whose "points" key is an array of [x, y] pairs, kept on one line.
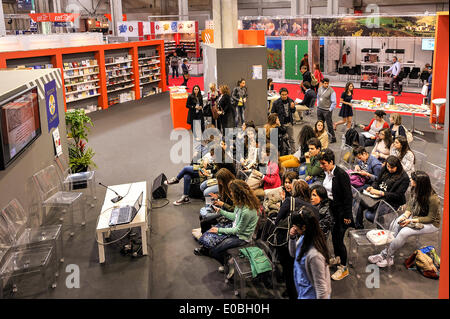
{"points": [[394, 71]]}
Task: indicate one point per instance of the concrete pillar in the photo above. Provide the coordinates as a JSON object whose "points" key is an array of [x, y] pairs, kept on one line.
{"points": [[225, 17], [116, 14], [300, 7], [333, 7], [2, 22], [183, 10]]}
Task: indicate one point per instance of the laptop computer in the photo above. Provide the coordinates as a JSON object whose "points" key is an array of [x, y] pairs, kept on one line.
{"points": [[126, 214]]}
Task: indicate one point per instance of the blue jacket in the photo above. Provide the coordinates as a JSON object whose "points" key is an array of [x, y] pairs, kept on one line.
{"points": [[373, 167], [304, 287]]}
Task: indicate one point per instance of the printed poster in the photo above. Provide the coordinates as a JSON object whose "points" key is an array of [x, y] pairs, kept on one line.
{"points": [[57, 141], [51, 103], [257, 72]]}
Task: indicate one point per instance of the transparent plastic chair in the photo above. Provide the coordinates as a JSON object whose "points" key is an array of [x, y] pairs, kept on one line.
{"points": [[50, 190]]}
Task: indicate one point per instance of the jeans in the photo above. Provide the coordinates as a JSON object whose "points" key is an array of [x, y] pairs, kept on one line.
{"points": [[240, 117], [220, 251], [211, 189], [185, 80], [401, 234], [326, 116], [209, 221], [187, 173], [174, 70]]}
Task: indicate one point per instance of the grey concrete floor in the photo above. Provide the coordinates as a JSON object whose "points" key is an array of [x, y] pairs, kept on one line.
{"points": [[132, 143]]}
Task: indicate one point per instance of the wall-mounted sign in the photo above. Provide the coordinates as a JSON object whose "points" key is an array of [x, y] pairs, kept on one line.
{"points": [[51, 103], [128, 29], [186, 26], [166, 27]]}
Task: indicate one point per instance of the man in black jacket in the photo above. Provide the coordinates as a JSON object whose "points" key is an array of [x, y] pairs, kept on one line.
{"points": [[306, 77], [308, 100], [285, 108]]}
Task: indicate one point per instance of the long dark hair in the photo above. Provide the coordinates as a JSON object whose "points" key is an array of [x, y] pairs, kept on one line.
{"points": [[422, 191], [405, 147], [347, 88], [305, 134], [387, 137], [199, 91], [312, 235], [224, 177], [392, 161]]}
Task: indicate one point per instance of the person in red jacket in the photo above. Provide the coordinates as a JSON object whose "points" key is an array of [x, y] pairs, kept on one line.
{"points": [[318, 75], [368, 137], [271, 177]]}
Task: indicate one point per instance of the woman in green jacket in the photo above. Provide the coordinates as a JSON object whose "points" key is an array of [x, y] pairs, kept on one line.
{"points": [[244, 220]]}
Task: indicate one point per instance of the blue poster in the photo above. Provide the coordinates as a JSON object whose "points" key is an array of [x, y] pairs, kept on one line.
{"points": [[51, 103]]}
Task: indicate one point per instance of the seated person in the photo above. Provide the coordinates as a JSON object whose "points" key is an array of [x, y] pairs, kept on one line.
{"points": [[367, 166], [319, 199], [272, 200], [288, 180], [271, 178], [244, 220], [383, 143], [391, 186], [421, 216], [314, 173], [309, 99], [368, 137], [250, 160], [400, 148], [321, 133], [294, 160], [203, 170], [396, 126]]}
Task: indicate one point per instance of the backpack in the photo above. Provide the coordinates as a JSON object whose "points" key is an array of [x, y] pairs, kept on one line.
{"points": [[351, 137], [426, 261]]}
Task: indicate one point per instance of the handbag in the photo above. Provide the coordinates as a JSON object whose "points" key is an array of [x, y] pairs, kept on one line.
{"points": [[409, 136], [424, 90], [254, 180], [210, 240], [380, 236]]}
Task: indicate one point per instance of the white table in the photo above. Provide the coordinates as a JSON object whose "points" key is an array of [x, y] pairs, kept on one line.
{"points": [[140, 220], [271, 98]]}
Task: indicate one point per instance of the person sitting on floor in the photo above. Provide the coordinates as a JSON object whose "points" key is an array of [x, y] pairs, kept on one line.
{"points": [[314, 173], [367, 166], [321, 133], [421, 216], [397, 129], [288, 180], [311, 267], [383, 143], [319, 199], [294, 160], [368, 137], [244, 220], [271, 178], [400, 148], [391, 186]]}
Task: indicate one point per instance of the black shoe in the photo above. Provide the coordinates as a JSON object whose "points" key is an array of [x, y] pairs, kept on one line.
{"points": [[333, 140], [200, 251]]}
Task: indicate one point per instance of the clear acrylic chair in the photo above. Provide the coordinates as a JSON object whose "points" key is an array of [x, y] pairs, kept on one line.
{"points": [[345, 156], [385, 216], [15, 218], [437, 177], [51, 195], [25, 271], [73, 181], [355, 202], [420, 159]]}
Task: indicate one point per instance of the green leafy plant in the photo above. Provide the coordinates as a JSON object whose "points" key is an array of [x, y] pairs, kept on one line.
{"points": [[78, 126]]}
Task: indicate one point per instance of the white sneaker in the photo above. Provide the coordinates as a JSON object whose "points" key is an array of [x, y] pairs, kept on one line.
{"points": [[197, 233], [375, 258], [385, 262], [182, 200], [221, 269]]}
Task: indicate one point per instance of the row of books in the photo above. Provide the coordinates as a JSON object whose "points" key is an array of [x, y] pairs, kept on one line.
{"points": [[117, 73], [37, 66], [81, 87], [81, 95], [83, 63], [76, 81], [119, 59], [79, 72]]}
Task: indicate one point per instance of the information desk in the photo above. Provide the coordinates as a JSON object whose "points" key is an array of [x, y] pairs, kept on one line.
{"points": [[400, 108], [131, 193], [178, 109]]}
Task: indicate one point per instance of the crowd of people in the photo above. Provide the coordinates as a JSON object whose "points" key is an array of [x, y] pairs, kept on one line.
{"points": [[315, 193]]}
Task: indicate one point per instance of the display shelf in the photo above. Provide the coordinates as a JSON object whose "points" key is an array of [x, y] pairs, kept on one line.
{"points": [[82, 98], [119, 62], [126, 81], [150, 57], [79, 76], [120, 89], [147, 64], [79, 83], [81, 67], [85, 90], [154, 81], [117, 76], [118, 69]]}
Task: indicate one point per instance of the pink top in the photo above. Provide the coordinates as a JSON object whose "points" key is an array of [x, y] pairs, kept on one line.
{"points": [[272, 178]]}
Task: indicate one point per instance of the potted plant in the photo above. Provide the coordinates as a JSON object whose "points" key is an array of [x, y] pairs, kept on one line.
{"points": [[80, 157]]}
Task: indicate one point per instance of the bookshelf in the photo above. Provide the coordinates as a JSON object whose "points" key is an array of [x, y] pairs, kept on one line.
{"points": [[119, 76], [149, 62]]}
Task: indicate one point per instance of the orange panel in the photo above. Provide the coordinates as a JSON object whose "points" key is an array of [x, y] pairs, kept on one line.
{"points": [[251, 37], [179, 113], [440, 66]]}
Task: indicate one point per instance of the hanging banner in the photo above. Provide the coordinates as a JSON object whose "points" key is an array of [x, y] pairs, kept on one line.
{"points": [[128, 29], [54, 17], [186, 27], [51, 103], [298, 27], [166, 27], [375, 26], [278, 27]]}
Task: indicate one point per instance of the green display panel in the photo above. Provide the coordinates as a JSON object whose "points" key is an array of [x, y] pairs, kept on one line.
{"points": [[293, 53]]}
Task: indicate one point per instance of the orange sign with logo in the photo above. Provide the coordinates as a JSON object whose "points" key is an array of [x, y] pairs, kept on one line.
{"points": [[54, 17]]}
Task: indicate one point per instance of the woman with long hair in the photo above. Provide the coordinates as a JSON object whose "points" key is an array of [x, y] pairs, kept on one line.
{"points": [[213, 95], [195, 105], [390, 185], [239, 99], [244, 220], [319, 199], [383, 143], [318, 75], [321, 133], [401, 149], [298, 157], [421, 216], [225, 108], [346, 111], [308, 244]]}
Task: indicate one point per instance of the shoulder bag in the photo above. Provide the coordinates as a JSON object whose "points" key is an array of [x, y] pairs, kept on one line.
{"points": [[280, 234]]}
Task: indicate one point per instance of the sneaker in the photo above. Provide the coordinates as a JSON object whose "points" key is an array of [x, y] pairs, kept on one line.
{"points": [[221, 269], [182, 200], [335, 261], [385, 262], [230, 272], [341, 273], [197, 233], [172, 181], [200, 251], [375, 258]]}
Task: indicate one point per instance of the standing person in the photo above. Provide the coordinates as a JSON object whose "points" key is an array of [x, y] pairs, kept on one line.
{"points": [[425, 73], [285, 108], [225, 109], [319, 199], [326, 103], [311, 269], [305, 62], [346, 111], [430, 82], [306, 77], [318, 75], [213, 95], [239, 98], [195, 105], [174, 63], [186, 76], [167, 69], [337, 184], [421, 216], [394, 71]]}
